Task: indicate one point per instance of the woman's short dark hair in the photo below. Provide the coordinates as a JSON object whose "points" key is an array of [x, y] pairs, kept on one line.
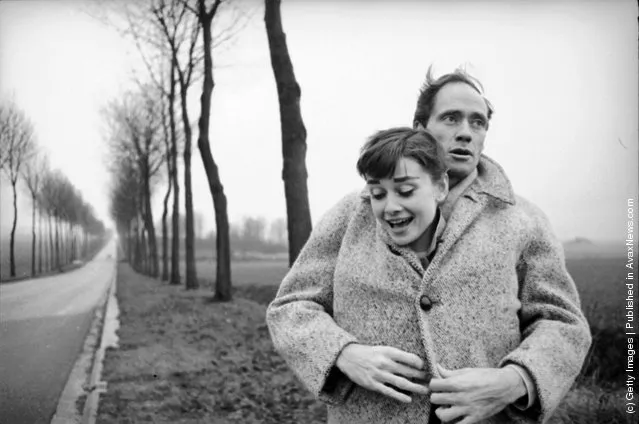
{"points": [[431, 86], [382, 151]]}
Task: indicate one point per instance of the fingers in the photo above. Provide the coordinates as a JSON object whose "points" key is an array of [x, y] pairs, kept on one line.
{"points": [[450, 380], [403, 384], [391, 393], [443, 385], [407, 358], [406, 371], [448, 414], [445, 398]]}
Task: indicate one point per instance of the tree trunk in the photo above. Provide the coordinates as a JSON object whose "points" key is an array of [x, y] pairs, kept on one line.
{"points": [[149, 225], [12, 257], [40, 244], [51, 249], [165, 239], [294, 171], [222, 245], [144, 251], [137, 256], [191, 274], [165, 212], [58, 263], [175, 217], [129, 239], [33, 236], [70, 243]]}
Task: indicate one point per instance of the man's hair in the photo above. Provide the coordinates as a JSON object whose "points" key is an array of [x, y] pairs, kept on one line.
{"points": [[381, 152], [430, 88]]}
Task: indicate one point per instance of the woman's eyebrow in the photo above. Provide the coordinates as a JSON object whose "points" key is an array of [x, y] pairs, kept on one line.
{"points": [[404, 179], [396, 180]]}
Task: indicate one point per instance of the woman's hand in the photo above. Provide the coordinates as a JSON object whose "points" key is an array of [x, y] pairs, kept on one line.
{"points": [[375, 367], [474, 394]]}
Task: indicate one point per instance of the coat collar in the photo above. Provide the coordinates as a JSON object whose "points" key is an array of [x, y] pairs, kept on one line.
{"points": [[492, 181]]}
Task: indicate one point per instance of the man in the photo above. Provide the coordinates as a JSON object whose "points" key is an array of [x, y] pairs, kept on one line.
{"points": [[487, 329], [554, 333]]}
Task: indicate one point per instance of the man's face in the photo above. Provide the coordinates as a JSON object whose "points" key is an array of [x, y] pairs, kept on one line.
{"points": [[406, 204], [459, 122]]}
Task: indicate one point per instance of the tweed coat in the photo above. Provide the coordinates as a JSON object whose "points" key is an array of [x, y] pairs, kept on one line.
{"points": [[496, 292]]}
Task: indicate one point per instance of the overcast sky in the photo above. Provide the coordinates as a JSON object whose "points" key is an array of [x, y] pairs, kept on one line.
{"points": [[562, 76]]}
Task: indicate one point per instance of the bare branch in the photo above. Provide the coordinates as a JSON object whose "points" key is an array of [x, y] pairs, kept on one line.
{"points": [[17, 140]]}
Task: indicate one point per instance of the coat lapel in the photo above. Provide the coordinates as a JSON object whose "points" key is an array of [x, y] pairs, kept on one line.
{"points": [[467, 209], [491, 183]]}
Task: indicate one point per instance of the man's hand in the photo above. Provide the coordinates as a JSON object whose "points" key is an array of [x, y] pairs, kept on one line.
{"points": [[473, 394], [373, 367]]}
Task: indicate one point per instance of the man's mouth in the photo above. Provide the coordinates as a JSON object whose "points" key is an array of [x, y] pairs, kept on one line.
{"points": [[397, 223], [461, 153]]}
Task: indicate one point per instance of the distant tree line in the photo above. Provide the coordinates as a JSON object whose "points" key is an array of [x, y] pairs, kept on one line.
{"points": [[251, 234], [63, 225], [255, 234], [150, 127]]}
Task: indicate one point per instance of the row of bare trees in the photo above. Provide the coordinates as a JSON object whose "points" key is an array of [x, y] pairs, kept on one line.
{"points": [[151, 126], [63, 225]]}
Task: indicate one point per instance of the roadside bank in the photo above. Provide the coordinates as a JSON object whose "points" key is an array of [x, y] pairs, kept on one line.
{"points": [[185, 359]]}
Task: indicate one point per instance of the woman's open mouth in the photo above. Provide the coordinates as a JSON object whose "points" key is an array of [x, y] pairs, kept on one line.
{"points": [[399, 223]]}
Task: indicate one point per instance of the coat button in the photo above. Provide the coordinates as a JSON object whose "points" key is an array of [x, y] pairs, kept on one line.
{"points": [[425, 303]]}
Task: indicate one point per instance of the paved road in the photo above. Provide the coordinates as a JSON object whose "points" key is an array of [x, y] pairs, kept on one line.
{"points": [[43, 324]]}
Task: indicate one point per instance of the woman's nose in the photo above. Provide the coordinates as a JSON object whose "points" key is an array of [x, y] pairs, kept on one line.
{"points": [[392, 206]]}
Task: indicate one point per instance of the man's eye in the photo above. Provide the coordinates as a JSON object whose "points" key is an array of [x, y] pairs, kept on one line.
{"points": [[478, 123], [450, 119]]}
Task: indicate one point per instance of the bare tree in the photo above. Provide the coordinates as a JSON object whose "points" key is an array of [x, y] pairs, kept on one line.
{"points": [[33, 171], [53, 199], [205, 18], [176, 24], [124, 204], [135, 126], [223, 242], [18, 144], [181, 31], [46, 205], [168, 158], [294, 173], [143, 35]]}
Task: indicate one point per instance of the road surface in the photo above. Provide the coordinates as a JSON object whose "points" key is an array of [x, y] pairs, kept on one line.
{"points": [[43, 324]]}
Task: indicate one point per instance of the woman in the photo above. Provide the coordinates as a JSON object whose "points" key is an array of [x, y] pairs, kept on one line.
{"points": [[372, 313]]}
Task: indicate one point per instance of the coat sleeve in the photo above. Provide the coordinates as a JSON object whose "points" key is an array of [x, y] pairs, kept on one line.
{"points": [[555, 334], [300, 317]]}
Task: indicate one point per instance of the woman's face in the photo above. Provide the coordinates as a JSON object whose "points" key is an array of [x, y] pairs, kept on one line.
{"points": [[406, 204]]}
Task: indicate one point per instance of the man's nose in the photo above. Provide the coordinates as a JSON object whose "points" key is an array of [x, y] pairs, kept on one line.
{"points": [[464, 134]]}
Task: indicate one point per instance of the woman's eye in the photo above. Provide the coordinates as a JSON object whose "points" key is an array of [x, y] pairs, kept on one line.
{"points": [[377, 196], [405, 193]]}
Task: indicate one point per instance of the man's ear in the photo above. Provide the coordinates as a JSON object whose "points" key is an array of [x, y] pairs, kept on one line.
{"points": [[442, 189]]}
